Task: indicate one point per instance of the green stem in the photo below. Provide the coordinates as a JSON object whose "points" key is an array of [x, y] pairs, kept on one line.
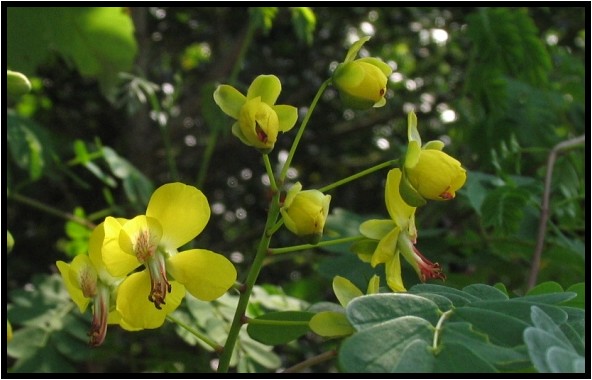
{"points": [[359, 175], [443, 317], [273, 322], [270, 174], [51, 210], [326, 243], [277, 226], [207, 156], [301, 130], [197, 334], [239, 314]]}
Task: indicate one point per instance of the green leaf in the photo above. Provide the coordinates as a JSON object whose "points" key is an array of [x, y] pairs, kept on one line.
{"points": [[549, 298], [304, 22], [259, 353], [273, 334], [45, 360], [462, 333], [458, 358], [549, 348], [443, 303], [98, 41], [345, 290], [26, 341], [518, 308], [502, 209], [580, 300], [51, 333], [477, 187], [262, 17], [544, 322], [485, 292], [380, 348], [560, 360], [501, 328], [137, 186], [25, 145], [371, 310], [457, 297], [544, 288], [417, 357], [331, 324]]}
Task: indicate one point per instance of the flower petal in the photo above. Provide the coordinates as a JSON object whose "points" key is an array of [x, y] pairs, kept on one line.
{"points": [[387, 247], [117, 262], [136, 311], [206, 275], [348, 75], [236, 130], [229, 99], [373, 285], [291, 194], [268, 87], [84, 274], [383, 66], [397, 208], [409, 194], [73, 288], [412, 132], [353, 50], [287, 116], [376, 229], [182, 210], [140, 237], [393, 274], [412, 154], [434, 144]]}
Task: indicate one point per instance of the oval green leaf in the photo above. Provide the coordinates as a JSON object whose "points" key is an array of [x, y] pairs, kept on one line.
{"points": [[367, 311], [331, 324], [381, 347], [290, 325]]}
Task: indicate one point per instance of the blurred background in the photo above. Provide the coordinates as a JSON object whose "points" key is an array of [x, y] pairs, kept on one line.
{"points": [[121, 102]]}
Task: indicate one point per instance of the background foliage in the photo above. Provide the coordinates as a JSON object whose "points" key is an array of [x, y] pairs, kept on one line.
{"points": [[127, 105]]}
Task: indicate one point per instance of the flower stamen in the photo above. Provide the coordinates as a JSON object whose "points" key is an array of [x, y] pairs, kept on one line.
{"points": [[159, 284], [98, 328], [428, 269]]}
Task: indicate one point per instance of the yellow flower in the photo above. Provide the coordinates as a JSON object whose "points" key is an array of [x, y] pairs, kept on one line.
{"points": [[259, 119], [305, 212], [176, 214], [429, 173], [396, 236], [87, 280], [362, 82]]}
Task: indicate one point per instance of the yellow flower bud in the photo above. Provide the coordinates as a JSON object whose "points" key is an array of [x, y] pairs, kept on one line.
{"points": [[305, 212], [436, 175], [428, 173], [362, 83], [259, 124]]}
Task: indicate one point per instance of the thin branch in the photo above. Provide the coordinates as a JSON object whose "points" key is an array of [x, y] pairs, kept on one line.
{"points": [[536, 258], [51, 210], [325, 356]]}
